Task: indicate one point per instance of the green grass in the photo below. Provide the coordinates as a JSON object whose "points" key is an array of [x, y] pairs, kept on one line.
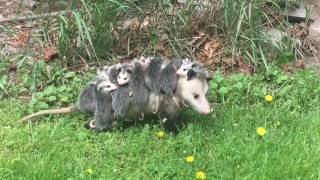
{"points": [[225, 144]]}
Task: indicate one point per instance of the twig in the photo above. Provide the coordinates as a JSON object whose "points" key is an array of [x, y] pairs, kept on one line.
{"points": [[23, 18]]}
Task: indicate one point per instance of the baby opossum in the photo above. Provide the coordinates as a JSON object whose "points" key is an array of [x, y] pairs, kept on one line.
{"points": [[131, 90], [87, 100], [153, 80]]}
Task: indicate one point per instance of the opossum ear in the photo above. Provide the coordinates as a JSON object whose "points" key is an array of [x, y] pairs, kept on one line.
{"points": [[105, 67], [191, 73], [118, 66]]}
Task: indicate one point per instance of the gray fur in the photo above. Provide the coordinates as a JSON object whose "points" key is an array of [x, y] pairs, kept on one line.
{"points": [[169, 78], [121, 101], [87, 99], [135, 92], [103, 113], [123, 104], [152, 77], [122, 97], [138, 87]]}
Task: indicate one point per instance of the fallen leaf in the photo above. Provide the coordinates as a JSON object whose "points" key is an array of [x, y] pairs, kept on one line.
{"points": [[300, 64], [285, 67], [20, 40], [50, 53], [243, 67], [145, 24], [12, 67], [229, 61]]}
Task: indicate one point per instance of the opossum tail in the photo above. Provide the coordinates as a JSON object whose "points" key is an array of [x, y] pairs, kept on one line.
{"points": [[49, 111]]}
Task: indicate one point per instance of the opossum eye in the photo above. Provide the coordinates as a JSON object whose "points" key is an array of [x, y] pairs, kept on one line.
{"points": [[196, 96], [125, 78], [108, 86], [184, 69], [129, 71]]}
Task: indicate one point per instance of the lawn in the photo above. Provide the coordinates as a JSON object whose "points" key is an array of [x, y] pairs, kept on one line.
{"points": [[224, 144]]}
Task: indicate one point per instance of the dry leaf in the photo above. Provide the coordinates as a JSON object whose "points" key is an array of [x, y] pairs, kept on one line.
{"points": [[12, 67], [300, 64], [243, 67], [20, 40], [145, 24], [50, 53], [229, 61]]}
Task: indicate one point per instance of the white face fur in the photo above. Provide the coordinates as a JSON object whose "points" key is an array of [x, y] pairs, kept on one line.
{"points": [[144, 61], [125, 69], [123, 76], [186, 65], [104, 84], [194, 92]]}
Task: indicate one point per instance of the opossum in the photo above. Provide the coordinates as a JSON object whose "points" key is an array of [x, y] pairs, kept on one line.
{"points": [[153, 80], [169, 77], [191, 89], [87, 100], [132, 90]]}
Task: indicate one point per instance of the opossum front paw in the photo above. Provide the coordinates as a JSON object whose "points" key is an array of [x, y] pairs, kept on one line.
{"points": [[170, 126], [87, 124], [91, 125], [141, 118]]}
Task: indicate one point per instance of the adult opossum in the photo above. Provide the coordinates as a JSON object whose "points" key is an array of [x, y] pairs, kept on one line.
{"points": [[191, 89]]}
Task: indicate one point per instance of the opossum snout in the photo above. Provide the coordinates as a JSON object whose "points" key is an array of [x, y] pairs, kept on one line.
{"points": [[205, 111], [102, 87]]}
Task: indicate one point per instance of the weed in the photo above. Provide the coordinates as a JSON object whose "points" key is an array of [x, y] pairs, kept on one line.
{"points": [[62, 89], [246, 25], [298, 91]]}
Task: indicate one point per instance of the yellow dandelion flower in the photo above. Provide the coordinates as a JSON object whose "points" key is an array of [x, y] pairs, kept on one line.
{"points": [[89, 171], [201, 175], [268, 98], [160, 134], [261, 131], [189, 159]]}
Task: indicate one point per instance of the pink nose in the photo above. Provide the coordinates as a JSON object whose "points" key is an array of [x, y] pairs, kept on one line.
{"points": [[207, 111]]}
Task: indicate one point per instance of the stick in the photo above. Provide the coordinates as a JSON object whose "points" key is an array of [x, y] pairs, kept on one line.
{"points": [[23, 18]]}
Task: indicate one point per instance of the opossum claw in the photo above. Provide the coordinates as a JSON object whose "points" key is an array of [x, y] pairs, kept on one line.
{"points": [[92, 124], [141, 117], [175, 100]]}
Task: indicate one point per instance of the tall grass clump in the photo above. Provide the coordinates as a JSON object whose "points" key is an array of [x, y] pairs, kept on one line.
{"points": [[100, 29], [87, 31], [255, 31]]}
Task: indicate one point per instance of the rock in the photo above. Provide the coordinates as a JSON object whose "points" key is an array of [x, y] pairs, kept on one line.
{"points": [[297, 15], [314, 28], [314, 31]]}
